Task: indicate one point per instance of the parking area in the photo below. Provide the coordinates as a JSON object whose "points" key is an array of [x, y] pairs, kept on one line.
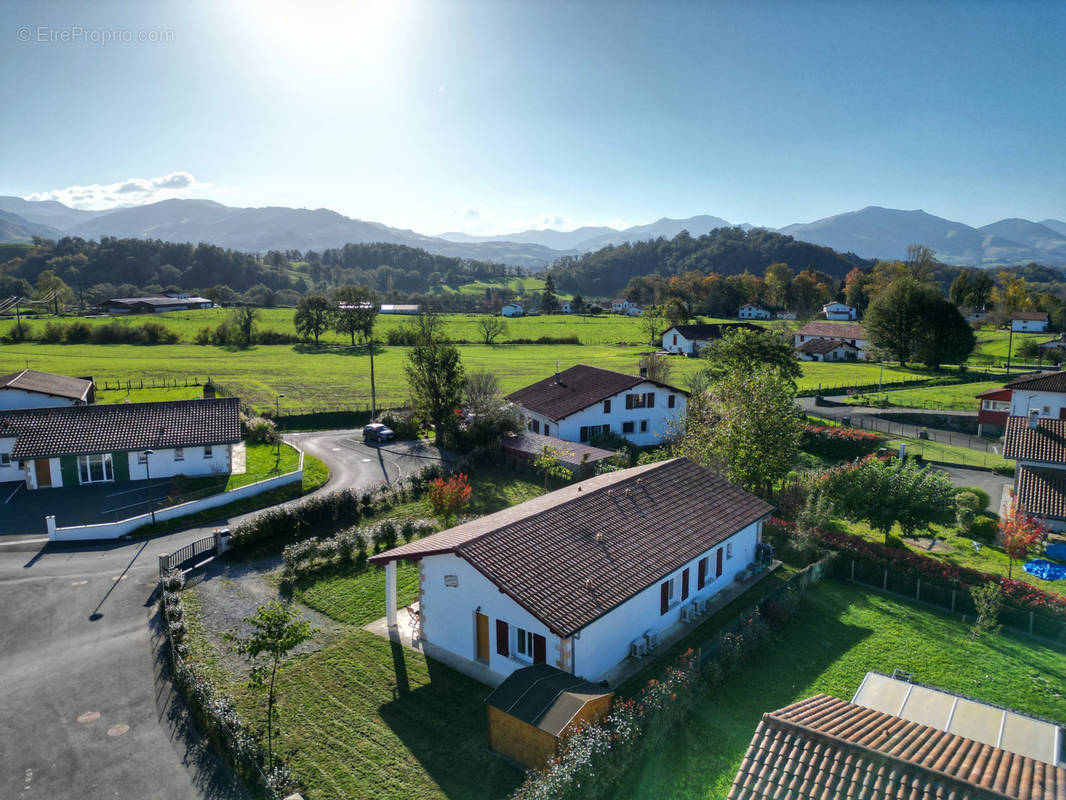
{"points": [[22, 511]]}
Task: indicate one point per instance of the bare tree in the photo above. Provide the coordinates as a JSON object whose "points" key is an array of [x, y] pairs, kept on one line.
{"points": [[491, 328], [655, 367], [481, 392], [920, 262]]}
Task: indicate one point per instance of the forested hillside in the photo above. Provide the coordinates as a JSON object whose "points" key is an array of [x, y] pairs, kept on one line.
{"points": [[726, 251]]}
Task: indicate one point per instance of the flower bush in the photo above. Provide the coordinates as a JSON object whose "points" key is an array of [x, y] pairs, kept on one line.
{"points": [[838, 442]]}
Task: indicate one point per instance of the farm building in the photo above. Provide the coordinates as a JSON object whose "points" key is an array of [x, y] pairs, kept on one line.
{"points": [[32, 389], [753, 311], [852, 333], [690, 339], [1029, 321], [393, 308], [827, 350], [156, 305], [531, 713]]}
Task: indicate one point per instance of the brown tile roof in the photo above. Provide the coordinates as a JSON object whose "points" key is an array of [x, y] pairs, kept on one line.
{"points": [[29, 380], [575, 389], [712, 330], [650, 520], [1041, 382], [1042, 492], [570, 453], [833, 330], [824, 346], [823, 747], [1045, 442], [77, 430], [1037, 316]]}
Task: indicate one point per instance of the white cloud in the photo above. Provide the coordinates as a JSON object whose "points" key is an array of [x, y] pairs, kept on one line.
{"points": [[486, 222], [131, 192]]}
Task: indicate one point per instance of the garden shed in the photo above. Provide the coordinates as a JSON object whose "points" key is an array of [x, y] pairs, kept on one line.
{"points": [[535, 708]]}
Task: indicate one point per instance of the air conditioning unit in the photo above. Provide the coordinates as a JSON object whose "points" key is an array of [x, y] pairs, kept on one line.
{"points": [[688, 613], [701, 604], [638, 648], [652, 638]]}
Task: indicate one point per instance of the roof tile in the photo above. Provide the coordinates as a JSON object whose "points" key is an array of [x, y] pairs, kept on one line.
{"points": [[1046, 442], [833, 330], [29, 380], [576, 388]]}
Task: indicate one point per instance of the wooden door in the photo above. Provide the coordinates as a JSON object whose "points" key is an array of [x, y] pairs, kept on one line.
{"points": [[482, 636], [44, 473]]}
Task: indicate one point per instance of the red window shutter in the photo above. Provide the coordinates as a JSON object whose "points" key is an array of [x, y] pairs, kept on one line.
{"points": [[701, 574], [503, 638], [664, 597], [684, 584], [540, 649], [718, 563]]}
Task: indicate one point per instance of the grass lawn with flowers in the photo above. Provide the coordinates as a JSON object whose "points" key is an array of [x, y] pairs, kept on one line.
{"points": [[839, 634]]}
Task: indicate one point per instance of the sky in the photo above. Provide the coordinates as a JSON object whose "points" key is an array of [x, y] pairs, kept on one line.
{"points": [[496, 116]]}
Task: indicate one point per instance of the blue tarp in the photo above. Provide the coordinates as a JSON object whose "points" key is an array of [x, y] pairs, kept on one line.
{"points": [[1056, 551], [1046, 570]]}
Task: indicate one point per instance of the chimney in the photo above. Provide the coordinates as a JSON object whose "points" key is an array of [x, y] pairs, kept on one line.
{"points": [[1034, 420], [644, 372]]}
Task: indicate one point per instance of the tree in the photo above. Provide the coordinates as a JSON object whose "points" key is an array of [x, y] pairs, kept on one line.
{"points": [[312, 316], [653, 322], [655, 367], [742, 350], [747, 425], [943, 335], [488, 416], [242, 321], [355, 308], [435, 375], [1014, 296], [987, 599], [1020, 534], [448, 497], [548, 464], [549, 303], [895, 317], [890, 492], [856, 290], [276, 631], [920, 262], [778, 277], [577, 305], [491, 328]]}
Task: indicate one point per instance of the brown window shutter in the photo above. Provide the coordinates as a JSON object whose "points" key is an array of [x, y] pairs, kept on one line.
{"points": [[701, 574], [718, 563], [651, 399], [664, 597], [540, 649], [684, 584], [671, 401], [629, 401], [503, 638]]}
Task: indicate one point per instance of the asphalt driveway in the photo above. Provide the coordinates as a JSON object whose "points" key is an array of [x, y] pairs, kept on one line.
{"points": [[22, 511]]}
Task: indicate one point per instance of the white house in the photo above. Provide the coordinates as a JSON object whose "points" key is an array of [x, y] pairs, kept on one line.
{"points": [[827, 350], [620, 306], [79, 445], [839, 311], [32, 389], [576, 577], [401, 308], [853, 334], [511, 310], [1029, 321], [752, 311], [1043, 394], [634, 311], [580, 403], [566, 307], [690, 339]]}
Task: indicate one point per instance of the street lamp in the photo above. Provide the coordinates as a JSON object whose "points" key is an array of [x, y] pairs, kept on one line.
{"points": [[277, 431], [148, 477]]}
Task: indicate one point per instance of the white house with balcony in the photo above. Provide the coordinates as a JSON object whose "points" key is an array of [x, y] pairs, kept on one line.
{"points": [[1043, 394], [839, 311], [584, 577], [581, 403]]}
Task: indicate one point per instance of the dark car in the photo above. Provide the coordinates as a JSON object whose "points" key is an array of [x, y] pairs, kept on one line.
{"points": [[376, 432]]}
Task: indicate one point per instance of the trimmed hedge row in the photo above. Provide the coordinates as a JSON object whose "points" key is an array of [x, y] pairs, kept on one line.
{"points": [[350, 546]]}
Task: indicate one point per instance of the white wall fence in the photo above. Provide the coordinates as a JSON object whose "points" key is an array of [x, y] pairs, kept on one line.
{"points": [[113, 530]]}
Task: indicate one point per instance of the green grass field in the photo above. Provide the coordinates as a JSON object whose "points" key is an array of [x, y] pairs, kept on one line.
{"points": [[992, 345], [961, 397], [840, 634]]}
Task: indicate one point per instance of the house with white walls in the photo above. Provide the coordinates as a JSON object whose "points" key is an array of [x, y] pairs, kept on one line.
{"points": [[620, 305], [1029, 321], [583, 577], [1043, 394], [688, 340], [753, 311], [512, 310], [827, 350], [839, 311], [1038, 444], [81, 445], [852, 333], [582, 402], [29, 388]]}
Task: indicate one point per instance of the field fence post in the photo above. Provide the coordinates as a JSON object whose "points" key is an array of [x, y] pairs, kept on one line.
{"points": [[853, 570], [952, 601], [918, 591], [884, 585]]}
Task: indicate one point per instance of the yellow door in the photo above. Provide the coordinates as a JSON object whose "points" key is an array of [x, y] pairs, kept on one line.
{"points": [[482, 636], [44, 473]]}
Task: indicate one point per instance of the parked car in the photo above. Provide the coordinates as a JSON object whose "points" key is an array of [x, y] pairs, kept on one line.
{"points": [[376, 432]]}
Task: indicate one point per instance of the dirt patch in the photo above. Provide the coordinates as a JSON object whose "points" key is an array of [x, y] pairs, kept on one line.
{"points": [[939, 547], [230, 591]]}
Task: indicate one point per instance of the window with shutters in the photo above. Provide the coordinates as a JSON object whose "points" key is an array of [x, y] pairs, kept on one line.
{"points": [[523, 644], [718, 563], [671, 401], [636, 401], [649, 400], [701, 573], [728, 549], [547, 429], [503, 638], [684, 585], [606, 406], [668, 594]]}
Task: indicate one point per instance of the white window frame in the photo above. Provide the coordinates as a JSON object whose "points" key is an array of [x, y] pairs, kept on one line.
{"points": [[523, 645], [209, 451], [728, 550], [85, 464], [675, 592]]}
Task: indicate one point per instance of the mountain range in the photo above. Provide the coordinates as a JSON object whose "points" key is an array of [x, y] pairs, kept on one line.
{"points": [[872, 232]]}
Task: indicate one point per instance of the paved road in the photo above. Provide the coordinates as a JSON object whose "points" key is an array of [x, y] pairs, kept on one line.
{"points": [[80, 660]]}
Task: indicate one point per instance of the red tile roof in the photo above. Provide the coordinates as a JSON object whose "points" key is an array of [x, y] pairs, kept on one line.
{"points": [[575, 389], [823, 747], [623, 531], [833, 330], [80, 430], [1046, 442], [1042, 492], [29, 380], [1036, 316]]}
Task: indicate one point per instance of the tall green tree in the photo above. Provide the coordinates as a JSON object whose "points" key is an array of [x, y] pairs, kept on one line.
{"points": [[276, 630], [549, 303], [242, 320], [313, 315], [944, 337], [355, 308], [741, 350], [435, 376], [895, 317], [747, 425]]}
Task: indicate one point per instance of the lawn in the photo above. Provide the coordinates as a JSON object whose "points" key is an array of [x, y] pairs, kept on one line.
{"points": [[989, 457], [840, 634], [960, 396]]}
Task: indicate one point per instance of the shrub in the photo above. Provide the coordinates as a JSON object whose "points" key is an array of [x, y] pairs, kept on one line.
{"points": [[53, 333], [204, 336], [984, 528], [78, 332], [980, 495], [838, 442], [404, 336], [258, 430]]}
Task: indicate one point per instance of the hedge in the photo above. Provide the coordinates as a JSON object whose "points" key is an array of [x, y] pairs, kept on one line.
{"points": [[838, 442]]}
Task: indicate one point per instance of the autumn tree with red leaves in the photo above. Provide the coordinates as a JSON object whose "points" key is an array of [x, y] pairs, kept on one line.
{"points": [[1020, 534], [448, 497]]}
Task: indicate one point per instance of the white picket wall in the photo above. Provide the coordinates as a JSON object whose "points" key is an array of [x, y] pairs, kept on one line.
{"points": [[113, 530]]}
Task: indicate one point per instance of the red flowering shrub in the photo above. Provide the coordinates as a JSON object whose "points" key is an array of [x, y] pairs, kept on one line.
{"points": [[838, 442]]}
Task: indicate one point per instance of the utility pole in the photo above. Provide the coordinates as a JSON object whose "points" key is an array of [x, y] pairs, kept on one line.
{"points": [[373, 393], [18, 318], [1010, 346]]}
